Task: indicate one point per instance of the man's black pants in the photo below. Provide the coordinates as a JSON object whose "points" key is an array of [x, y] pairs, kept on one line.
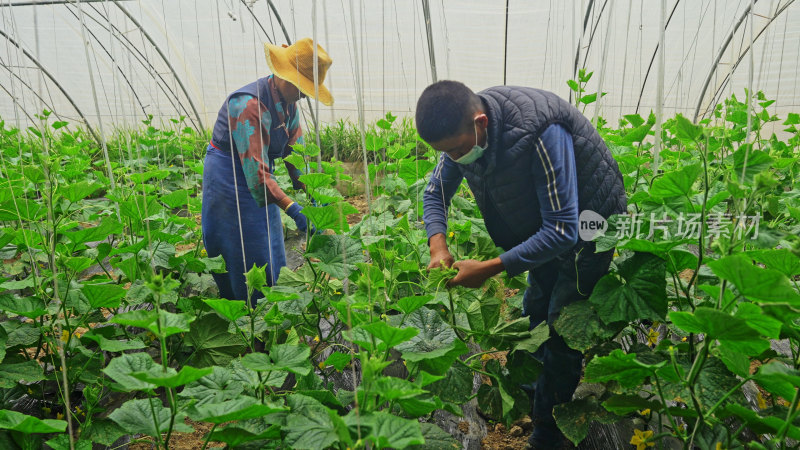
{"points": [[554, 285]]}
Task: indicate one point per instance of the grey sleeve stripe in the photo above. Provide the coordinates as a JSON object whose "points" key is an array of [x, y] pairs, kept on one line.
{"points": [[547, 173], [552, 171]]}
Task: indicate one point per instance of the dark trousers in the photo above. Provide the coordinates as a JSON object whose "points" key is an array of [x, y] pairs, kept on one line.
{"points": [[554, 285]]}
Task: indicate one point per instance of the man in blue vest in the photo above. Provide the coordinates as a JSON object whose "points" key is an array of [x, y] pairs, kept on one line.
{"points": [[257, 124], [532, 161]]}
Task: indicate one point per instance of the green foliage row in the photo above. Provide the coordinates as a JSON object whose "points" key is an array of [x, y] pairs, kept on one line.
{"points": [[112, 326]]}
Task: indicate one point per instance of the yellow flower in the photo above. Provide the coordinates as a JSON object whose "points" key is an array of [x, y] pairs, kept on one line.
{"points": [[652, 337], [719, 446], [485, 357], [683, 339], [46, 410], [423, 222], [383, 316], [59, 416], [337, 292], [645, 412], [30, 391], [321, 364], [762, 402], [640, 439], [316, 338], [682, 427], [64, 336], [451, 234], [203, 253]]}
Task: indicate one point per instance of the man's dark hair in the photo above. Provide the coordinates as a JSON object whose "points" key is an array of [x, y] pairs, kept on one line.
{"points": [[445, 109]]}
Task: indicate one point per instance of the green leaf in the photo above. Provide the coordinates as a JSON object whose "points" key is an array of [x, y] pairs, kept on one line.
{"points": [[757, 162], [573, 85], [3, 341], [390, 336], [387, 430], [755, 283], [235, 436], [30, 307], [147, 416], [170, 378], [792, 119], [229, 309], [24, 372], [77, 191], [435, 336], [591, 98], [456, 386], [171, 323], [119, 345], [139, 208], [410, 304], [483, 314], [287, 357], [642, 295], [756, 319], [213, 344], [778, 379], [309, 426], [414, 169], [241, 408], [676, 183], [338, 254], [729, 330], [435, 439], [216, 387], [338, 360], [573, 418], [392, 388], [634, 119], [103, 295], [330, 217], [122, 368], [316, 180], [623, 404], [735, 361], [581, 327], [16, 421], [686, 130], [103, 431], [107, 226], [621, 367], [177, 198], [761, 425], [782, 260], [295, 160]]}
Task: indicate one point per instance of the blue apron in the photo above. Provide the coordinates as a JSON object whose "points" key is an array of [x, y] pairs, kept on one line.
{"points": [[261, 235]]}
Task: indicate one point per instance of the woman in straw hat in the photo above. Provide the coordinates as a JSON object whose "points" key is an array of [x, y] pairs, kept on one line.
{"points": [[257, 123]]}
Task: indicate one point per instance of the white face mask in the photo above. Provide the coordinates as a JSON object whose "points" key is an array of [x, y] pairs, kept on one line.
{"points": [[475, 153]]}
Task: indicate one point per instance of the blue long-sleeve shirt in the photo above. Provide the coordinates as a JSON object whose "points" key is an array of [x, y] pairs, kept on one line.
{"points": [[556, 185]]}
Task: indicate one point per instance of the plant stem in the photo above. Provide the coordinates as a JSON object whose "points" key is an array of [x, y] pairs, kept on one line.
{"points": [[208, 438], [790, 415]]}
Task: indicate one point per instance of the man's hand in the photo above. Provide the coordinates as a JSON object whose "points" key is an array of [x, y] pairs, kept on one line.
{"points": [[440, 255], [473, 274]]}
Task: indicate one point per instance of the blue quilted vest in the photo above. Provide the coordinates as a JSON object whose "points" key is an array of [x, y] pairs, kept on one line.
{"points": [[221, 136], [501, 182]]}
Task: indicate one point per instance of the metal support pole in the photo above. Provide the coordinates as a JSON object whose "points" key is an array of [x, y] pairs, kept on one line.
{"points": [[426, 11]]}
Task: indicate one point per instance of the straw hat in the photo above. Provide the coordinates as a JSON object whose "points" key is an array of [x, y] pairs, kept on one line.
{"points": [[295, 64]]}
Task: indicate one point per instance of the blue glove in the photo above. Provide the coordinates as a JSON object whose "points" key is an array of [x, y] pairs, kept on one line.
{"points": [[299, 218]]}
